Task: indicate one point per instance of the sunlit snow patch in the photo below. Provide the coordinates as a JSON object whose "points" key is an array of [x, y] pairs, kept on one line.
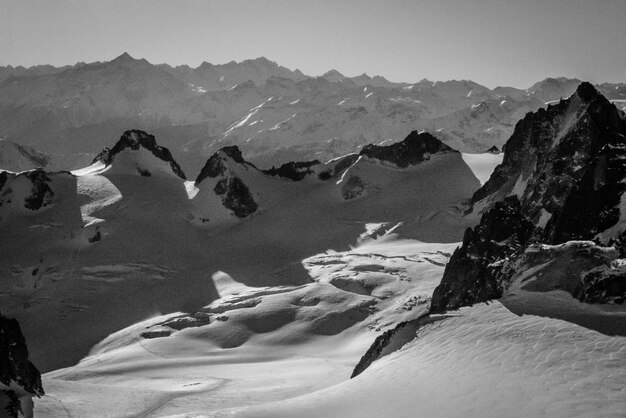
{"points": [[482, 165], [226, 285]]}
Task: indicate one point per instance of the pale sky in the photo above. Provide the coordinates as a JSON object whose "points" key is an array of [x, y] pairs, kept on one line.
{"points": [[493, 42]]}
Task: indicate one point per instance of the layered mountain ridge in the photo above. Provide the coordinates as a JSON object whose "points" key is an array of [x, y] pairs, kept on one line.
{"points": [[272, 114]]}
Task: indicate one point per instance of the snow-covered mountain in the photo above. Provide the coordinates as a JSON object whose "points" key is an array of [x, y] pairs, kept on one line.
{"points": [[561, 182], [130, 229], [271, 113], [142, 270], [252, 286]]}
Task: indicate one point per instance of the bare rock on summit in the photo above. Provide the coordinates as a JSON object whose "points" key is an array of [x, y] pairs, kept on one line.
{"points": [[134, 140], [222, 168], [560, 185], [414, 149]]}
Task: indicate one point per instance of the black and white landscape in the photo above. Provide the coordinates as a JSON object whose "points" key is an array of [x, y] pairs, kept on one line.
{"points": [[248, 240]]}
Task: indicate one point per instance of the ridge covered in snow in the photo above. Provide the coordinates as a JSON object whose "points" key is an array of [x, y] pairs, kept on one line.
{"points": [[271, 113]]}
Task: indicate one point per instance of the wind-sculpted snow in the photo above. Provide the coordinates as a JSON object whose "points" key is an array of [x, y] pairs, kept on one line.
{"points": [[114, 244], [255, 344], [483, 361]]}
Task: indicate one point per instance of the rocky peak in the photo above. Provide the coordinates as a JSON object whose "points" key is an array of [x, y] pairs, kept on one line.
{"points": [[125, 57], [38, 195], [561, 181], [550, 152], [414, 149], [235, 195], [216, 165], [587, 92], [135, 139]]}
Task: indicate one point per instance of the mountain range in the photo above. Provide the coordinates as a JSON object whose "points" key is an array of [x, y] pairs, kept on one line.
{"points": [[217, 276], [271, 113]]}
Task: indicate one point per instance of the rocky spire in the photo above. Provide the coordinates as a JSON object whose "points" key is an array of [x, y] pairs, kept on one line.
{"points": [[134, 139]]}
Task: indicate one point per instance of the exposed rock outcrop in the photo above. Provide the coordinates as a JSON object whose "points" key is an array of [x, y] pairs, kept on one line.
{"points": [[471, 276], [222, 167], [134, 140], [216, 164], [569, 150], [414, 149], [561, 180], [336, 167], [19, 378], [295, 171], [236, 196], [40, 194], [590, 272], [33, 191], [17, 157]]}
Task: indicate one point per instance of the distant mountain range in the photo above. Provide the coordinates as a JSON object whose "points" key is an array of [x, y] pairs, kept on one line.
{"points": [[271, 113]]}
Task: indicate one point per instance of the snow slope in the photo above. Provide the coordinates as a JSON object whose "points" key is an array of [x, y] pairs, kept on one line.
{"points": [[130, 242], [482, 361], [254, 345], [482, 165]]}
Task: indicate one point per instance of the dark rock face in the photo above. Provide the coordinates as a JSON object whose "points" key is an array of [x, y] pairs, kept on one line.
{"points": [[234, 193], [589, 272], [413, 150], [494, 150], [593, 204], [15, 368], [236, 196], [134, 139], [295, 171], [215, 165], [374, 352], [565, 167], [605, 284], [562, 152], [392, 340], [41, 194], [471, 276]]}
